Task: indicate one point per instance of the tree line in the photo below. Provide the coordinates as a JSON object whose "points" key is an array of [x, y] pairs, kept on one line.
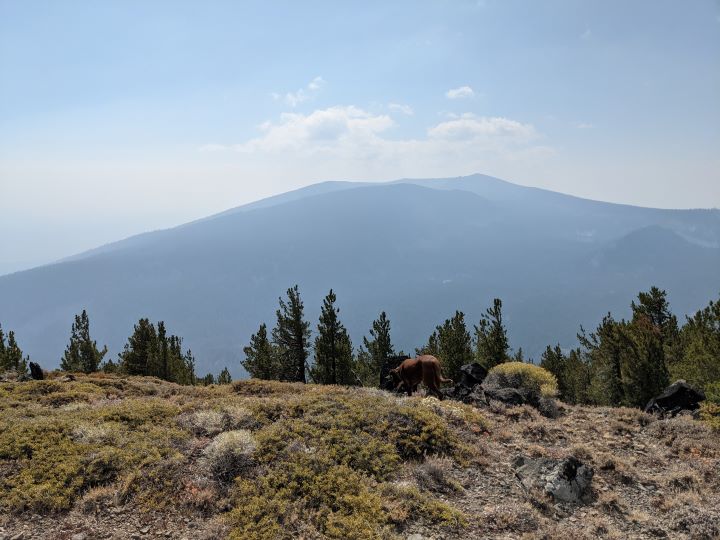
{"points": [[621, 362], [149, 351]]}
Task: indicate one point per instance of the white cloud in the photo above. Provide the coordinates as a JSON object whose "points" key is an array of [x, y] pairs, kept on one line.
{"points": [[469, 127], [587, 34], [584, 125], [350, 142], [320, 130], [460, 92], [293, 99], [405, 109]]}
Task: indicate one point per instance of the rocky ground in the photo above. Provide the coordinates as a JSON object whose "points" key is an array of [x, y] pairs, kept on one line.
{"points": [[651, 478]]}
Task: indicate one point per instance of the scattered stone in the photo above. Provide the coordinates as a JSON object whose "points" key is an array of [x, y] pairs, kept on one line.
{"points": [[145, 530], [566, 480], [67, 378], [18, 536], [36, 371], [677, 397], [79, 536]]}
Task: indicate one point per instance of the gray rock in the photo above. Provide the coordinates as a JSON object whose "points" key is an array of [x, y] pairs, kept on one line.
{"points": [[567, 480], [79, 536]]}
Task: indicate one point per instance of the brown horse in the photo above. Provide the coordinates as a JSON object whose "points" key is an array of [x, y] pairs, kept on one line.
{"points": [[425, 369]]}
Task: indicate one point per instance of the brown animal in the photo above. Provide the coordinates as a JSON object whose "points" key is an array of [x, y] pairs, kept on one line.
{"points": [[425, 369]]}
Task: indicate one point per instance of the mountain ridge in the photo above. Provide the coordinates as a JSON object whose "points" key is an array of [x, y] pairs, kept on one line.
{"points": [[416, 251]]}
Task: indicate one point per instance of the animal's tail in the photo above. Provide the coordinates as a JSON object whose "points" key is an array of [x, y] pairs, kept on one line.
{"points": [[443, 379]]}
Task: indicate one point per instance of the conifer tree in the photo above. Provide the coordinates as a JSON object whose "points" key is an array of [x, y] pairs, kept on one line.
{"points": [[137, 357], [333, 348], [11, 356], [491, 337], [291, 336], [162, 352], [82, 354], [207, 380], [606, 350], [653, 305], [555, 362], [260, 356], [2, 347], [378, 348], [224, 377], [451, 344], [698, 348], [189, 376]]}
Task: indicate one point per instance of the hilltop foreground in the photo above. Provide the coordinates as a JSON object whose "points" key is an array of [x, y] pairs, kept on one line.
{"points": [[109, 457]]}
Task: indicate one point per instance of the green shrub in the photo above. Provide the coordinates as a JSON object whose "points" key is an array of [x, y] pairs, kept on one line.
{"points": [[521, 375], [710, 414], [712, 392]]}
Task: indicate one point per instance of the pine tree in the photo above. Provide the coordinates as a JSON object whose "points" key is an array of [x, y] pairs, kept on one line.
{"points": [[11, 356], [451, 344], [2, 348], [697, 350], [644, 373], [378, 348], [189, 362], [605, 351], [555, 362], [577, 378], [207, 380], [138, 355], [654, 306], [333, 348], [491, 337], [82, 354], [260, 356], [163, 353], [224, 377], [291, 336]]}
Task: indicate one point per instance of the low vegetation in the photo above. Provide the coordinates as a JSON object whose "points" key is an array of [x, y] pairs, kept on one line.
{"points": [[266, 459], [537, 380]]}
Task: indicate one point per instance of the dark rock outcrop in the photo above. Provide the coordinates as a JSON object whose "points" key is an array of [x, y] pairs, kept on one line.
{"points": [[36, 371], [512, 396], [386, 380], [567, 480], [677, 397], [468, 389]]}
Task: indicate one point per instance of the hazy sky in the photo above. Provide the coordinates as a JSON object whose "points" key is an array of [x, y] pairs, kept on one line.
{"points": [[119, 117]]}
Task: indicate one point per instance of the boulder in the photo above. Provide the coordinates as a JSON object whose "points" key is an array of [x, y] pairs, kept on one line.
{"points": [[677, 397], [36, 371], [386, 380], [472, 374], [567, 480], [468, 389], [511, 396]]}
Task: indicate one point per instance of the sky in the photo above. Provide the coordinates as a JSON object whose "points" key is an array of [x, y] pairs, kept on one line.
{"points": [[119, 117]]}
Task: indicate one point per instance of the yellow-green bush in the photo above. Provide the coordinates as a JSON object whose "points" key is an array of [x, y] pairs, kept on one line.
{"points": [[710, 414], [522, 375]]}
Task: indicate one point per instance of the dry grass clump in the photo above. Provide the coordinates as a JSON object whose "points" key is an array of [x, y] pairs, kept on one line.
{"points": [[204, 423], [521, 375], [434, 474], [99, 499], [510, 518], [229, 454], [683, 481]]}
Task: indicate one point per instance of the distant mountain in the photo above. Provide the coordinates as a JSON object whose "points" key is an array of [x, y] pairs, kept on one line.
{"points": [[418, 249]]}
